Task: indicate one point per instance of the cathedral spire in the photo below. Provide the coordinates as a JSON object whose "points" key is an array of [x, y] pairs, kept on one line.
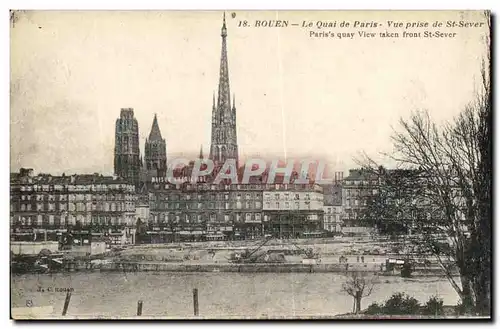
{"points": [[201, 152], [224, 30], [155, 133], [224, 99], [155, 150], [224, 144]]}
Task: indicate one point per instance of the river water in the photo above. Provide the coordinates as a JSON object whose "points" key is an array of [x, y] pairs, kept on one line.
{"points": [[220, 294]]}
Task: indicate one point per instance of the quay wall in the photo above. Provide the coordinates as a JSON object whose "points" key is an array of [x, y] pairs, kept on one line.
{"points": [[237, 268], [247, 268], [32, 248]]}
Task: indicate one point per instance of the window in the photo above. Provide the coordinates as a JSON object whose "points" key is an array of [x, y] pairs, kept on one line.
{"points": [[248, 206], [257, 216], [277, 196], [248, 216], [226, 205], [258, 204], [268, 204], [39, 207], [226, 196], [297, 205], [277, 204], [238, 204], [287, 205]]}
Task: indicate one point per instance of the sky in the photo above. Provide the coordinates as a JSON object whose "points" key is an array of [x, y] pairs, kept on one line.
{"points": [[296, 96]]}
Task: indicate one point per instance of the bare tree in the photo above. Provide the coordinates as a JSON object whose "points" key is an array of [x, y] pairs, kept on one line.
{"points": [[359, 285], [454, 165]]}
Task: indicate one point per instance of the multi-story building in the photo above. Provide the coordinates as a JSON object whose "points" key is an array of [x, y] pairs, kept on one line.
{"points": [[356, 189], [208, 211], [233, 211], [293, 210], [332, 208], [127, 155], [51, 205]]}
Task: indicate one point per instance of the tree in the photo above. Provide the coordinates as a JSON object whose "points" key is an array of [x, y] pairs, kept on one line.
{"points": [[359, 285], [454, 166]]}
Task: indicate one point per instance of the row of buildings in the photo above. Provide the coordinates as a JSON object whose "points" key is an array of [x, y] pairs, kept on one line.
{"points": [[162, 212]]}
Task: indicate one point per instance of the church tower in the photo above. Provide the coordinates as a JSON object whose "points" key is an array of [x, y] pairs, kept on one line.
{"points": [[224, 144], [127, 154], [155, 151]]}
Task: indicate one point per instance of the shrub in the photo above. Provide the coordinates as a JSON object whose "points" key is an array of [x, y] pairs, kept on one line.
{"points": [[375, 309], [401, 304], [434, 306]]}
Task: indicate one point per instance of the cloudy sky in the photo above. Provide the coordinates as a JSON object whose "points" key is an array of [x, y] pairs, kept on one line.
{"points": [[296, 96]]}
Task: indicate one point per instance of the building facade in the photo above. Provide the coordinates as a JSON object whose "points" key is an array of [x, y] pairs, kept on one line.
{"points": [[356, 189], [293, 210], [333, 208], [233, 212], [127, 161], [51, 205], [206, 211]]}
